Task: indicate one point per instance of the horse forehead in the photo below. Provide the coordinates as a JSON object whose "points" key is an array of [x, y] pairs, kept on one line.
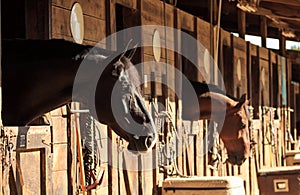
{"points": [[126, 62], [247, 112]]}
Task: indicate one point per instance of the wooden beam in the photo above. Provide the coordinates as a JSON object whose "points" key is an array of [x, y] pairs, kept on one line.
{"points": [[263, 31], [241, 23], [1, 153], [110, 23], [215, 11], [0, 74], [282, 45]]}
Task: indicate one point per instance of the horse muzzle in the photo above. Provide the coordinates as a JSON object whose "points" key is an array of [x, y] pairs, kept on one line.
{"points": [[236, 159], [142, 144]]}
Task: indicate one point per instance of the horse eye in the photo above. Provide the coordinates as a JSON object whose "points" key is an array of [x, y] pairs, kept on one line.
{"points": [[243, 125]]}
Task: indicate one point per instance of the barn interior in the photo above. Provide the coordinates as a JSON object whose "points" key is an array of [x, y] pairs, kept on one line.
{"points": [[255, 46]]}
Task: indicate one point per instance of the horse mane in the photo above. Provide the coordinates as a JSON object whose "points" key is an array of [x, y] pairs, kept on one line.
{"points": [[203, 88], [133, 73], [55, 47]]}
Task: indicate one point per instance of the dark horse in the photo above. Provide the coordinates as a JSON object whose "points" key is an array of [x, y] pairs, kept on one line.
{"points": [[231, 115], [38, 76]]}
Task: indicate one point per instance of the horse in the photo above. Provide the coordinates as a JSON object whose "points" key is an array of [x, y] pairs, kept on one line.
{"points": [[38, 76], [231, 115]]}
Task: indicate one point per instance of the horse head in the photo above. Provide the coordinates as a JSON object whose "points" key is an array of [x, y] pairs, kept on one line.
{"points": [[235, 132], [129, 117]]}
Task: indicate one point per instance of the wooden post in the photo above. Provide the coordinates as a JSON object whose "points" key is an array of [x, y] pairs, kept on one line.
{"points": [[71, 158], [249, 83], [241, 23], [263, 30], [0, 92], [110, 23], [282, 45], [2, 176]]}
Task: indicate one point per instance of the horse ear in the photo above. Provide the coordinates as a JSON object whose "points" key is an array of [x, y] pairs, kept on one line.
{"points": [[132, 51], [242, 101], [125, 49]]}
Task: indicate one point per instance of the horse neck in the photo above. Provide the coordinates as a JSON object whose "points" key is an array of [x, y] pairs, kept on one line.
{"points": [[215, 106]]}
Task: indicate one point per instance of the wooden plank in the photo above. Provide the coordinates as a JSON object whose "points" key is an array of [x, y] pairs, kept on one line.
{"points": [[111, 26], [128, 3], [59, 163], [203, 30], [94, 29], [147, 37], [289, 79], [228, 57], [264, 82], [60, 21], [240, 44], [253, 49], [159, 70], [264, 53], [60, 182], [199, 150], [94, 8], [253, 177], [110, 160], [255, 83], [2, 173], [32, 179], [190, 155], [187, 125], [37, 17], [147, 174], [130, 167], [152, 13], [225, 38], [240, 73], [59, 112], [248, 64], [224, 50], [60, 25], [271, 78], [31, 163], [186, 20], [59, 132]]}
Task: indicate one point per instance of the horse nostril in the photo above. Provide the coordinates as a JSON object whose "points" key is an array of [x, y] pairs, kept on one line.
{"points": [[148, 141]]}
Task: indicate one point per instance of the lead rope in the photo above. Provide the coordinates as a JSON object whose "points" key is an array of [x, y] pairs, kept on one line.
{"points": [[172, 131], [216, 160], [92, 158]]}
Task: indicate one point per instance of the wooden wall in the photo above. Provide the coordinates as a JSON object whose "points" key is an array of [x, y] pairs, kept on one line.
{"points": [[239, 67], [264, 77], [192, 159], [94, 13], [152, 13], [226, 60]]}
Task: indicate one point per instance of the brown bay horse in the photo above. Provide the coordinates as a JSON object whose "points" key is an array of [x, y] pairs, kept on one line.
{"points": [[229, 113], [38, 76]]}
